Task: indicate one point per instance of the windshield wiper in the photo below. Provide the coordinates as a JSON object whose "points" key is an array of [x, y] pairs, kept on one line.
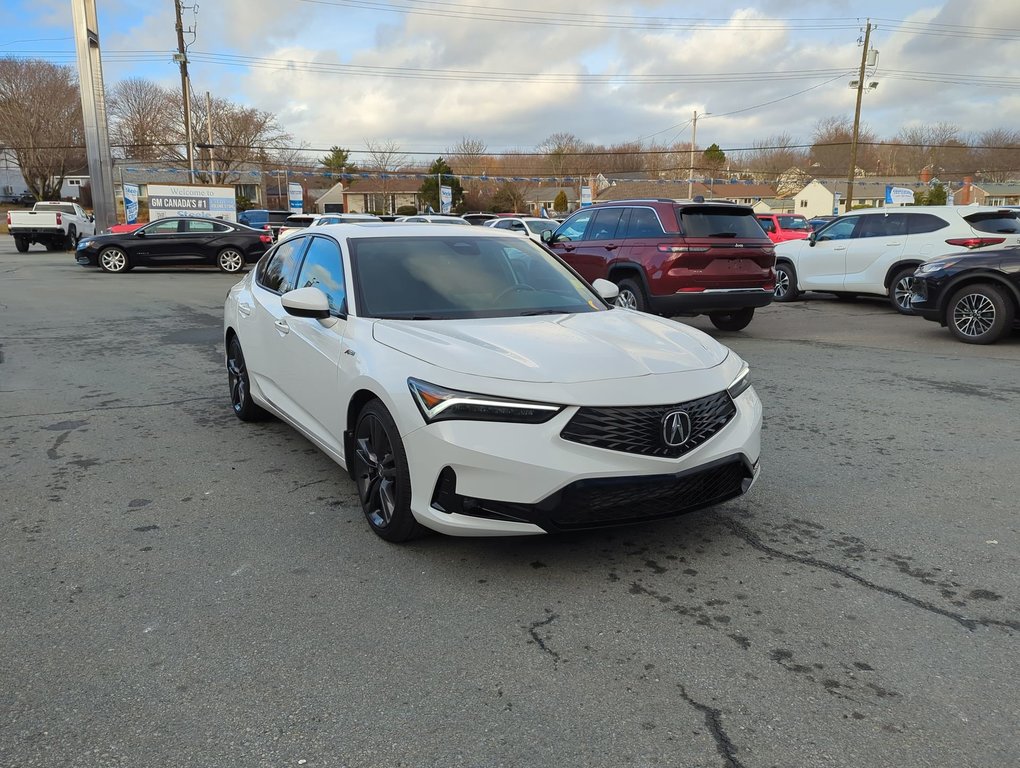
{"points": [[407, 317], [534, 312]]}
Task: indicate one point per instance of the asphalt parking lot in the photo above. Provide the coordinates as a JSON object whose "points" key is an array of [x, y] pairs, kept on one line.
{"points": [[182, 589]]}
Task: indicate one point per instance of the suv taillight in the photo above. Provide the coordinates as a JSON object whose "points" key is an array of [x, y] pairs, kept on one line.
{"points": [[667, 248], [976, 242]]}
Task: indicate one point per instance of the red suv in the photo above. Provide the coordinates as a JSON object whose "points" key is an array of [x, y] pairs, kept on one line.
{"points": [[673, 257], [781, 227]]}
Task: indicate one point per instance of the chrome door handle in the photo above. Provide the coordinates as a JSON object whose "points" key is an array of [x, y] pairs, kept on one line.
{"points": [[244, 309], [281, 326]]}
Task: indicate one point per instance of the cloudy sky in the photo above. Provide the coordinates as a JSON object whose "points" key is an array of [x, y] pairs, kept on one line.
{"points": [[425, 73]]}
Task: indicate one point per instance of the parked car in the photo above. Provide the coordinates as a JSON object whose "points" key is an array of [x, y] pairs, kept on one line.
{"points": [[340, 218], [477, 218], [875, 252], [175, 241], [673, 257], [530, 226], [260, 218], [471, 383], [58, 226], [119, 229], [781, 227], [819, 221], [975, 295], [295, 223], [434, 218]]}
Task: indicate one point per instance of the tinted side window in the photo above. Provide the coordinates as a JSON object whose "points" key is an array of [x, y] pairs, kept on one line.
{"points": [[279, 273], [168, 227], [193, 225], [573, 228], [643, 223], [998, 223], [883, 225], [840, 229], [606, 222], [323, 269], [925, 222], [767, 225]]}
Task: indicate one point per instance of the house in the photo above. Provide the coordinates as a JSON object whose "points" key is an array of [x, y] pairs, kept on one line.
{"points": [[825, 197], [988, 193], [746, 193], [371, 195], [545, 197], [774, 205]]}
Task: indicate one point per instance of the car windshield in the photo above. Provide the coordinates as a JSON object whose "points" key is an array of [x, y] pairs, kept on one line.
{"points": [[538, 227], [455, 276], [794, 222]]}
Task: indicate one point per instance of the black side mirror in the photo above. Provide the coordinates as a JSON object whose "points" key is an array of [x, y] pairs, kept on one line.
{"points": [[812, 238], [139, 233]]}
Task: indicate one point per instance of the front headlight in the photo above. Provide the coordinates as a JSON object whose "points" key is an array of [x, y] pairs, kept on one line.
{"points": [[439, 404], [740, 383], [933, 266]]}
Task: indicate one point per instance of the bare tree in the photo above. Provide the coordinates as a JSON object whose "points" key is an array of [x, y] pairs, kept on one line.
{"points": [[142, 119], [468, 156], [771, 157], [241, 136], [385, 156], [997, 154], [830, 150], [41, 122]]}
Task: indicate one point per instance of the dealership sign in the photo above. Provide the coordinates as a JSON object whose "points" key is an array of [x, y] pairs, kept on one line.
{"points": [[191, 200], [296, 197]]}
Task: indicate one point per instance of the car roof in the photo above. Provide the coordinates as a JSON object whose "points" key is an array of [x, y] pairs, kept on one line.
{"points": [[362, 229], [962, 210]]}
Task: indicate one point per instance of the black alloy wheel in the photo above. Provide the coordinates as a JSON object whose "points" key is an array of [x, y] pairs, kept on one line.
{"points": [[979, 314], [737, 320], [240, 386], [381, 475], [786, 283]]}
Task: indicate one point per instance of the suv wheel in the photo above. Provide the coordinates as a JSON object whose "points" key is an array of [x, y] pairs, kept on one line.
{"points": [[632, 295], [979, 314], [737, 320], [899, 291], [786, 283]]}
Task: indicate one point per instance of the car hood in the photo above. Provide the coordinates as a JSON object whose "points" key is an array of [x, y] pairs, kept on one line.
{"points": [[591, 346]]}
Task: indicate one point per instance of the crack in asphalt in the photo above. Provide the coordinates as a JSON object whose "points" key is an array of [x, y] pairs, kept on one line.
{"points": [[533, 631], [713, 720], [110, 408], [752, 539]]}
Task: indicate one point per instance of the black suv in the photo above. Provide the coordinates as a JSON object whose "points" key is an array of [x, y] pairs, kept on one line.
{"points": [[976, 294], [673, 257]]}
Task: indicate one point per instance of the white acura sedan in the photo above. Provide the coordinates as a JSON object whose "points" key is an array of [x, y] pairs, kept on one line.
{"points": [[472, 383]]}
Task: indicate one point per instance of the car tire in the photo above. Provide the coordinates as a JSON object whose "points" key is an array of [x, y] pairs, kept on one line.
{"points": [[230, 260], [113, 260], [979, 314], [72, 239], [899, 291], [381, 475], [632, 295], [240, 385], [786, 283], [737, 320], [21, 243]]}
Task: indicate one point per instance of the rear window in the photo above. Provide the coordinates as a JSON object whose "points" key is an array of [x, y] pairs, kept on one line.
{"points": [[277, 217], [298, 221], [719, 222], [997, 222], [794, 222]]}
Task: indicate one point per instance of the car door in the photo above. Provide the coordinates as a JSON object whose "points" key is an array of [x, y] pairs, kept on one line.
{"points": [[822, 266], [568, 237], [199, 241], [879, 243], [308, 353], [156, 243], [265, 327]]}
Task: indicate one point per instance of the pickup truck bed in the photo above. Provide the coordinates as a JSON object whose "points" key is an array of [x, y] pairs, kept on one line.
{"points": [[58, 226]]}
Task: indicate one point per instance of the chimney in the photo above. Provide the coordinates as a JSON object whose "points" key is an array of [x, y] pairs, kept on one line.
{"points": [[966, 191], [926, 174]]}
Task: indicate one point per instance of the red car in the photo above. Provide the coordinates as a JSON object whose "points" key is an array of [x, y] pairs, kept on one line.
{"points": [[781, 227], [119, 229]]}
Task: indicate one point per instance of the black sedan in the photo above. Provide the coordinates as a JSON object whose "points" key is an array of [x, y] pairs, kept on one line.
{"points": [[976, 294], [176, 242]]}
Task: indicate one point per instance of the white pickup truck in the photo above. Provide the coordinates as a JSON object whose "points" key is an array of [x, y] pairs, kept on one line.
{"points": [[58, 226]]}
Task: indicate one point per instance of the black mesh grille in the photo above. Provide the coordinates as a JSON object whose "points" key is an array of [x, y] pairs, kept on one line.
{"points": [[638, 429], [614, 500]]}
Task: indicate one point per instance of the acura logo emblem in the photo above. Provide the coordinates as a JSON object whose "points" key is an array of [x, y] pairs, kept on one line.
{"points": [[676, 428]]}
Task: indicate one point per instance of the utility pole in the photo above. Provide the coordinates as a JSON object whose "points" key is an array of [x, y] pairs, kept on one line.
{"points": [[694, 143], [182, 59], [208, 123], [857, 122]]}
